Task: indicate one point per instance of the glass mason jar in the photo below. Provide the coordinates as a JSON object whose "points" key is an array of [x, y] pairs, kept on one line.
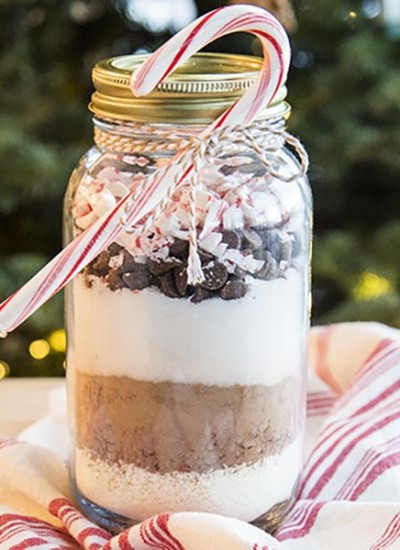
{"points": [[189, 397]]}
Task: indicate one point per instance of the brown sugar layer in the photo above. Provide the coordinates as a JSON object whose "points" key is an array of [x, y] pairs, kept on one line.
{"points": [[165, 427]]}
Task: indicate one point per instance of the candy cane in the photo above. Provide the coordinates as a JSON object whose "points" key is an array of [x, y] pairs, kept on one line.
{"points": [[80, 252]]}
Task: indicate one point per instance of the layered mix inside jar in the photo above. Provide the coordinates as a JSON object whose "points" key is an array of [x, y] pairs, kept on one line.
{"points": [[190, 397]]}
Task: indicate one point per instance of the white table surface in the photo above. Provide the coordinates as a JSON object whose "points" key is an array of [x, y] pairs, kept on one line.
{"points": [[23, 401]]}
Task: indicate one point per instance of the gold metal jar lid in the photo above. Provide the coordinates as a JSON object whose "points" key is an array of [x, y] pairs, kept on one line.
{"points": [[197, 92]]}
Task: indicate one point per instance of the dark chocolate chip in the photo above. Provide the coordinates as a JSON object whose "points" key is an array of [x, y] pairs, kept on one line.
{"points": [[100, 264], [179, 249], [137, 281], [231, 238], [215, 274], [129, 264], [168, 286], [205, 257], [270, 268], [251, 240], [114, 249], [201, 294], [181, 280], [155, 281], [233, 290], [161, 267], [139, 272], [114, 280]]}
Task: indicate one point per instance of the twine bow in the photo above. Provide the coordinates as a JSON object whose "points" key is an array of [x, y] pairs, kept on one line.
{"points": [[266, 139]]}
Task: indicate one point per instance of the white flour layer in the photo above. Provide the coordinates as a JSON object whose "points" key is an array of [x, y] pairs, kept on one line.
{"points": [[244, 492], [258, 339]]}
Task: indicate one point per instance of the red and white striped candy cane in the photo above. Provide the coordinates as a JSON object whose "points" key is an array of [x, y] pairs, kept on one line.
{"points": [[210, 27], [80, 252]]}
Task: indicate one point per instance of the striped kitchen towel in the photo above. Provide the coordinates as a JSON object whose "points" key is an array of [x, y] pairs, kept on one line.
{"points": [[349, 495]]}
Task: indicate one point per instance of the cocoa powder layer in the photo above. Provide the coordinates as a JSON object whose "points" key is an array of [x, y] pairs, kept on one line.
{"points": [[165, 427]]}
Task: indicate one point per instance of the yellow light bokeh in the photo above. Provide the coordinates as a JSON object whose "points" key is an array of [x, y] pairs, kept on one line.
{"points": [[371, 285], [352, 14], [4, 369], [39, 349], [57, 340]]}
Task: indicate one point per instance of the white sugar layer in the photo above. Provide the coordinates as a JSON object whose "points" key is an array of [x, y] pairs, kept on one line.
{"points": [[244, 492], [258, 339]]}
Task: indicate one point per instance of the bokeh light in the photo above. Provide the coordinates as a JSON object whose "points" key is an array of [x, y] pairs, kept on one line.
{"points": [[57, 340], [161, 15], [372, 8], [370, 286], [4, 369], [39, 349]]}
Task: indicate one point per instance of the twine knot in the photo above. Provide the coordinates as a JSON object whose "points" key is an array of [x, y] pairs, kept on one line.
{"points": [[266, 139]]}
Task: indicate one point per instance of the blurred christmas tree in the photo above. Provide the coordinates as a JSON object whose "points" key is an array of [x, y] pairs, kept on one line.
{"points": [[345, 88], [48, 48], [345, 85]]}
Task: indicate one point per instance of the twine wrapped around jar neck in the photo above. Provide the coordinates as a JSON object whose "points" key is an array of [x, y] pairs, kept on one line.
{"points": [[135, 138], [267, 139]]}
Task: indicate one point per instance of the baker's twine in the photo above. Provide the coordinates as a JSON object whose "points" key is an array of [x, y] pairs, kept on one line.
{"points": [[194, 269], [266, 139]]}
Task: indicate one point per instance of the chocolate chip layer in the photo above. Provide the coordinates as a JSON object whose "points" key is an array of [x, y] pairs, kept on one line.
{"points": [[275, 249]]}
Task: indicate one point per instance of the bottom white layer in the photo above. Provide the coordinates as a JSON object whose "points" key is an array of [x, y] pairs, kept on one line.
{"points": [[244, 492]]}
